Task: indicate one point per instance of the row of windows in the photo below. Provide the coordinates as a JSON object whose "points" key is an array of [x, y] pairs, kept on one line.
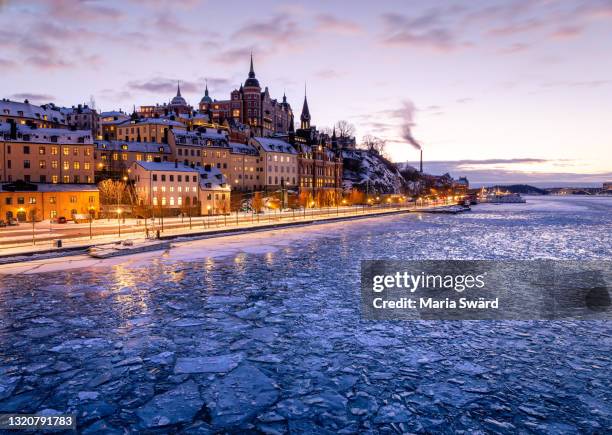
{"points": [[282, 159], [179, 178], [179, 200], [55, 179], [42, 150], [282, 179], [42, 164], [52, 200], [289, 169], [178, 189]]}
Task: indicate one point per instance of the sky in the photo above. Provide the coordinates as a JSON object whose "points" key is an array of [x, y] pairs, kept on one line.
{"points": [[514, 90]]}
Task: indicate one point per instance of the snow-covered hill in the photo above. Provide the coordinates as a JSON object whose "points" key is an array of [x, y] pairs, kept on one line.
{"points": [[367, 170]]}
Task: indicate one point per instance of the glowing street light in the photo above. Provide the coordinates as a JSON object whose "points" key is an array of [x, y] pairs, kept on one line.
{"points": [[119, 220]]}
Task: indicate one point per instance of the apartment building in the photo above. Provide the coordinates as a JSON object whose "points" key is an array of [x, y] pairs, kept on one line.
{"points": [[147, 130], [113, 158], [279, 162], [173, 187], [45, 155], [34, 201]]}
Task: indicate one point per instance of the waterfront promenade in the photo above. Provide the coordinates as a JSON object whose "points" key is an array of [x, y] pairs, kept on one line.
{"points": [[27, 239]]}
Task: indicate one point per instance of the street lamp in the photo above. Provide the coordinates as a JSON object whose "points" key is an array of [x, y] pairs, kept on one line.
{"points": [[119, 220], [91, 209]]}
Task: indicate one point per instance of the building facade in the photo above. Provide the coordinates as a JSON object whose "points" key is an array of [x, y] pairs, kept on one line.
{"points": [[278, 161], [147, 130], [173, 188], [113, 158], [81, 117], [251, 106], [46, 155], [25, 202]]}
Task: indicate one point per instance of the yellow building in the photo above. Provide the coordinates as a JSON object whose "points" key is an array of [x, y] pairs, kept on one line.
{"points": [[279, 162], [147, 130], [26, 201]]}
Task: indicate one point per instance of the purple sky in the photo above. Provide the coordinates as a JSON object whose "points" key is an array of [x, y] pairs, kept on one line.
{"points": [[525, 82]]}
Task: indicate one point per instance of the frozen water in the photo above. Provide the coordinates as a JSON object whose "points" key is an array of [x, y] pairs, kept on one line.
{"points": [[213, 338]]}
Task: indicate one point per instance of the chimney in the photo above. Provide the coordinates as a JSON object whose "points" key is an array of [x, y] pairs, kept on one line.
{"points": [[421, 165]]}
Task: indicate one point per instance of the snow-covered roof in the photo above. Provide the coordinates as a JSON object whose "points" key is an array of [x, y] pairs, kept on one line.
{"points": [[157, 121], [46, 135], [112, 113], [275, 145], [113, 122], [165, 167], [241, 148], [75, 109], [200, 137], [27, 110], [49, 187], [140, 147], [212, 178]]}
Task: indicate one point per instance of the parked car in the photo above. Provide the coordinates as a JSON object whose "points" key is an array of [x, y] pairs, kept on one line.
{"points": [[12, 222], [61, 220], [2, 223]]}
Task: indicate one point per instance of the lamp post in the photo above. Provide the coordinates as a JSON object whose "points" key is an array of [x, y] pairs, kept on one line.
{"points": [[90, 219], [119, 221]]}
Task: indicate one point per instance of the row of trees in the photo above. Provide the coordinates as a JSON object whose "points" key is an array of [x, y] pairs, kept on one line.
{"points": [[368, 142]]}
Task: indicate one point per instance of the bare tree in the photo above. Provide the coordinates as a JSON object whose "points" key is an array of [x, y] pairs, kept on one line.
{"points": [[111, 191], [344, 129], [326, 130], [257, 202], [373, 144]]}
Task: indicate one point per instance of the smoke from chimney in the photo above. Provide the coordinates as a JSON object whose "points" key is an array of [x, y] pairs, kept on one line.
{"points": [[408, 116]]}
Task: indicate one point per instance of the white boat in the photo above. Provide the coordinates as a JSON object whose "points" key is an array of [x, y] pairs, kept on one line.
{"points": [[127, 247], [508, 198]]}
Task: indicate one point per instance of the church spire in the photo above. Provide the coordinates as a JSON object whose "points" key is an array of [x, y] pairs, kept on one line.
{"points": [[305, 117], [251, 81], [252, 71], [206, 88], [178, 88]]}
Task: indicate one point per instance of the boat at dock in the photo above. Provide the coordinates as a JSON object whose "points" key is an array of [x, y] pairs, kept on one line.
{"points": [[451, 209], [127, 247], [508, 198]]}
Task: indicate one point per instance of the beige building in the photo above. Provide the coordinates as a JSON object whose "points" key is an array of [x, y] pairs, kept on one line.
{"points": [[114, 158], [108, 122], [173, 188], [245, 171], [26, 201], [45, 155], [147, 130], [279, 162], [241, 164]]}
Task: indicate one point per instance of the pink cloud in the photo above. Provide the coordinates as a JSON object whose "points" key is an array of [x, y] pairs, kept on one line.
{"points": [[330, 23]]}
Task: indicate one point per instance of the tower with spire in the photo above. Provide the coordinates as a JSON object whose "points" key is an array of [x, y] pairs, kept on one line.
{"points": [[305, 116], [250, 104], [178, 103]]}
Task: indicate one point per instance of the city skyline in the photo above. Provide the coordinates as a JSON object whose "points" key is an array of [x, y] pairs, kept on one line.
{"points": [[499, 89]]}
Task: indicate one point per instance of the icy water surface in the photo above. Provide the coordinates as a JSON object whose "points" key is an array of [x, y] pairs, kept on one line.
{"points": [[262, 333]]}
